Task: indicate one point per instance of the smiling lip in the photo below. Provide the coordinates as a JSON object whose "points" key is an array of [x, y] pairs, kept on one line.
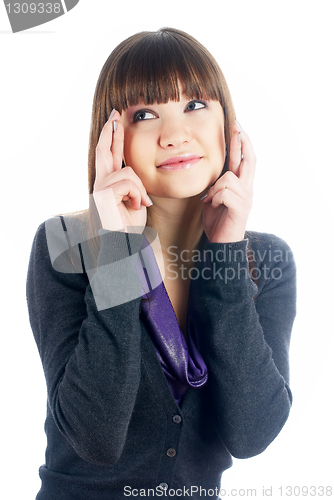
{"points": [[179, 162]]}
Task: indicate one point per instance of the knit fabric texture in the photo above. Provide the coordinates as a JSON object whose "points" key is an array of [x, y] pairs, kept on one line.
{"points": [[113, 426]]}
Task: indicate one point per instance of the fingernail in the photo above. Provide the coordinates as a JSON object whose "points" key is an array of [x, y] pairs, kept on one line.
{"points": [[239, 137], [149, 199], [238, 125], [115, 126], [112, 113]]}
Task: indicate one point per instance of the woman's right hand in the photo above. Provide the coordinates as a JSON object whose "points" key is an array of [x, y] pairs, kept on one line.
{"points": [[120, 196]]}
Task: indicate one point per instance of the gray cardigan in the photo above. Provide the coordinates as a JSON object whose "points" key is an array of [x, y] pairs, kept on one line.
{"points": [[113, 427]]}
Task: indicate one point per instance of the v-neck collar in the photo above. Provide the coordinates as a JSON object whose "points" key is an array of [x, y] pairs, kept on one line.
{"points": [[182, 364]]}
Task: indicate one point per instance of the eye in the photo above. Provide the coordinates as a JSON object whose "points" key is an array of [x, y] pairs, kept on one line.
{"points": [[142, 115], [193, 105]]}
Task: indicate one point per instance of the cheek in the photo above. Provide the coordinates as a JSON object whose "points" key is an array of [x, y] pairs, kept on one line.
{"points": [[136, 156], [127, 149], [216, 146], [216, 141], [135, 150]]}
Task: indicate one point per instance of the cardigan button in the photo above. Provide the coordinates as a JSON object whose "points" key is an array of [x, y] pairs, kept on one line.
{"points": [[163, 486], [171, 452], [177, 419]]}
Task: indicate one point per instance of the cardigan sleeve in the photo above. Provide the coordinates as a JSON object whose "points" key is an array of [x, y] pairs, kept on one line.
{"points": [[90, 355], [243, 332]]}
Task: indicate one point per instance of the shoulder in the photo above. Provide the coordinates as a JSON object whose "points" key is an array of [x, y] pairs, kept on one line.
{"points": [[266, 241], [271, 259], [75, 224], [264, 247], [58, 239]]}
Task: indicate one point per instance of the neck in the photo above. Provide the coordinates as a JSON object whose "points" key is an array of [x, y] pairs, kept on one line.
{"points": [[177, 221]]}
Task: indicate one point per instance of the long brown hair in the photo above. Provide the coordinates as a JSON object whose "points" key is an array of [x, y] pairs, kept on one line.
{"points": [[146, 67]]}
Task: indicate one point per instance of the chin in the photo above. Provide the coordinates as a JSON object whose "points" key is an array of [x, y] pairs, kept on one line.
{"points": [[180, 193], [178, 186]]}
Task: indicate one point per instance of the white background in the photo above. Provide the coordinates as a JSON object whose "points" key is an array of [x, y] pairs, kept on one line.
{"points": [[277, 58]]}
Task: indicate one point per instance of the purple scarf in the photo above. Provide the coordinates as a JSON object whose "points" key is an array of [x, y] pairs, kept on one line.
{"points": [[182, 364]]}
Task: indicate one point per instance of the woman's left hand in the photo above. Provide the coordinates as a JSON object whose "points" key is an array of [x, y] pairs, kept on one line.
{"points": [[229, 201]]}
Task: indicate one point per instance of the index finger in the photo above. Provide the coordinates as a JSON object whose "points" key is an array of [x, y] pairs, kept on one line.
{"points": [[117, 145], [248, 162], [104, 163]]}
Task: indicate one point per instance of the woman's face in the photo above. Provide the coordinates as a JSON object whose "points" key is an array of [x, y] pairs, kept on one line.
{"points": [[177, 148]]}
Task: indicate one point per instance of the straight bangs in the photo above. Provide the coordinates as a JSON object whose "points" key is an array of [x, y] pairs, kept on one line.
{"points": [[149, 72]]}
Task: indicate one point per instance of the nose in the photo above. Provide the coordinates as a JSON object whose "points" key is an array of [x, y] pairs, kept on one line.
{"points": [[174, 133]]}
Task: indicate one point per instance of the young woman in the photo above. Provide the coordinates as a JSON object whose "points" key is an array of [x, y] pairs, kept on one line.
{"points": [[163, 326]]}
